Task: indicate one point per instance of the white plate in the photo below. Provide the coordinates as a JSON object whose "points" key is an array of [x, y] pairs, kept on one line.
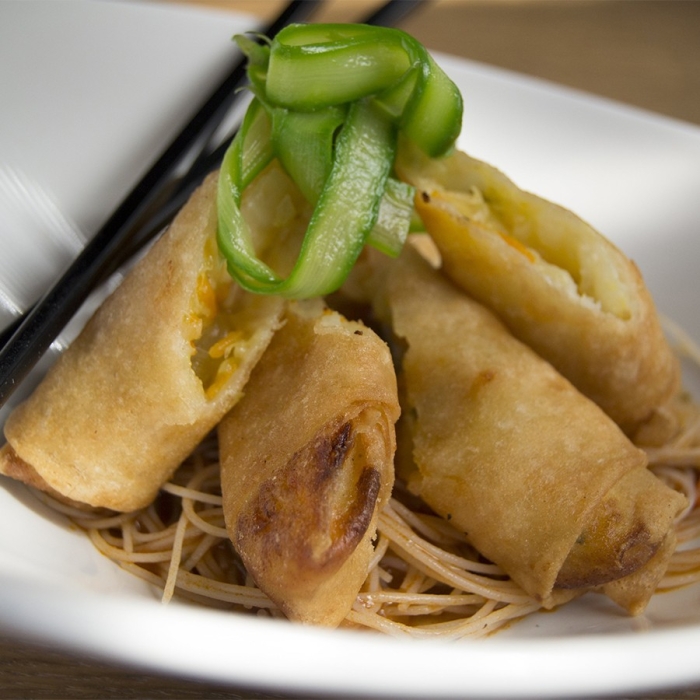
{"points": [[92, 91]]}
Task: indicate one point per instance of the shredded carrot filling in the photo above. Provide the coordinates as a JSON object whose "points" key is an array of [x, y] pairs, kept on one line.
{"points": [[224, 372], [224, 347], [472, 206], [206, 296], [213, 329], [520, 247]]}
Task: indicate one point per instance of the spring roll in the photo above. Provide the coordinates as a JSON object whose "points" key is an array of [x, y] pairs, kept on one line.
{"points": [[540, 479], [559, 285], [154, 370], [307, 462]]}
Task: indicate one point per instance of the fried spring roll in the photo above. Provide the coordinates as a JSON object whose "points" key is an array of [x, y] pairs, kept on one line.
{"points": [[559, 285], [154, 370], [542, 481], [307, 462]]}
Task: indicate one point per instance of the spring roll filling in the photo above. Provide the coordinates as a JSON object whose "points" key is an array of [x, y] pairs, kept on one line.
{"points": [[220, 336], [566, 266], [223, 319]]}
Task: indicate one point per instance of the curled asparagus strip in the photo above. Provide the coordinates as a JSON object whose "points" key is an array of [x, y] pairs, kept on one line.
{"points": [[329, 103]]}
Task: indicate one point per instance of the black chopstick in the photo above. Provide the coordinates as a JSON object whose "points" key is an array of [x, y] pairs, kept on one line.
{"points": [[100, 256], [393, 12], [24, 341]]}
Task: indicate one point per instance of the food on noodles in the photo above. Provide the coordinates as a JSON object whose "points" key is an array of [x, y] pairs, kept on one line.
{"points": [[154, 370], [543, 482], [557, 283], [514, 493], [307, 462], [425, 580]]}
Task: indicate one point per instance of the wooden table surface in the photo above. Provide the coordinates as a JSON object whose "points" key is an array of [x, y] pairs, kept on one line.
{"points": [[642, 52]]}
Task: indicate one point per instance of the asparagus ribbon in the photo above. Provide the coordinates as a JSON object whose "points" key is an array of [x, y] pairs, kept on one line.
{"points": [[329, 103]]}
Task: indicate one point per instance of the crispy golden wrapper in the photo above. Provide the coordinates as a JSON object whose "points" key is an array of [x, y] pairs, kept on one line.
{"points": [[154, 370], [543, 482], [307, 462], [559, 285]]}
